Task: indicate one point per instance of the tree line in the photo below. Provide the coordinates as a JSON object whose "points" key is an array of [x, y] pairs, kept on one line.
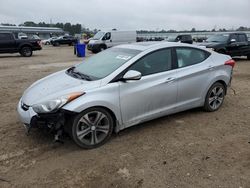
{"points": [[78, 28]]}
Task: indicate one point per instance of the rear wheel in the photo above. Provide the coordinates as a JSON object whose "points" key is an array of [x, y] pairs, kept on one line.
{"points": [[26, 51], [92, 128], [248, 57], [215, 97]]}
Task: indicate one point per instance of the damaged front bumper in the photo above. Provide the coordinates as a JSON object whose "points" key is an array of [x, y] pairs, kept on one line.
{"points": [[51, 121]]}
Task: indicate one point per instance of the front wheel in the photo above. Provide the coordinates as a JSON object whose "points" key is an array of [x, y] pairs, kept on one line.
{"points": [[215, 97], [26, 51], [92, 128]]}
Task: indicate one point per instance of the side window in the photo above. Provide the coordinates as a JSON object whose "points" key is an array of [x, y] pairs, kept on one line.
{"points": [[190, 56], [155, 62], [233, 36], [107, 36], [242, 38], [5, 36]]}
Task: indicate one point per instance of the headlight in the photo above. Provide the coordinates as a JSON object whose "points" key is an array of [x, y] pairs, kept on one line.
{"points": [[55, 104]]}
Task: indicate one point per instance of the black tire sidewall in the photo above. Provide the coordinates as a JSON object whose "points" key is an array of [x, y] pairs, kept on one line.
{"points": [[79, 116], [27, 48], [206, 105]]}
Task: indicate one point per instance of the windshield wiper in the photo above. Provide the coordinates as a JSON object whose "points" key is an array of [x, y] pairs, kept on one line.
{"points": [[78, 74]]}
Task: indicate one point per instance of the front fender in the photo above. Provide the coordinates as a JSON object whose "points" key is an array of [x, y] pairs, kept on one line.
{"points": [[107, 97]]}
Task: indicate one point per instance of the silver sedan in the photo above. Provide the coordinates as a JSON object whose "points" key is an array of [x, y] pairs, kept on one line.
{"points": [[124, 86]]}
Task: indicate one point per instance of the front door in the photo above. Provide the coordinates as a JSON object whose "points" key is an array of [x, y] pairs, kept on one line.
{"points": [[152, 96], [7, 44]]}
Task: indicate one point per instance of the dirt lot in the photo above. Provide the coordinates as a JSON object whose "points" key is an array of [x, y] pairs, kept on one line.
{"points": [[189, 149]]}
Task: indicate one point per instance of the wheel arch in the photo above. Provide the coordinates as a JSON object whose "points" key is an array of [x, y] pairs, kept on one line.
{"points": [[24, 45], [221, 80], [114, 112], [223, 83]]}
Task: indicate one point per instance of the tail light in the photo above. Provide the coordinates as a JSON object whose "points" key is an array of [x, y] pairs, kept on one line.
{"points": [[39, 43], [230, 62]]}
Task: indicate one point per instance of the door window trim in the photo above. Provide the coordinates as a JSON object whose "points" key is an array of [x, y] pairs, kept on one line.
{"points": [[208, 54], [173, 64]]}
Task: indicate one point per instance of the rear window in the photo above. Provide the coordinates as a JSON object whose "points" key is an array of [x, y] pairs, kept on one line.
{"points": [[190, 56], [242, 38]]}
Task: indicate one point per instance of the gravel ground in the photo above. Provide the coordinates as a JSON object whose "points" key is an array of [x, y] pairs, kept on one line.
{"points": [[188, 149]]}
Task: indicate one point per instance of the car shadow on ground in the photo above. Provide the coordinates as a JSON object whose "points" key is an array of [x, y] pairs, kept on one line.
{"points": [[19, 56]]}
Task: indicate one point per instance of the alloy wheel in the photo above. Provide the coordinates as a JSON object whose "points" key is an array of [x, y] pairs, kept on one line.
{"points": [[216, 97], [92, 128]]}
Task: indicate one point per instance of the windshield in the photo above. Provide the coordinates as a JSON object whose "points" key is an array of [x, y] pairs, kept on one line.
{"points": [[102, 64], [99, 35], [171, 38], [218, 38]]}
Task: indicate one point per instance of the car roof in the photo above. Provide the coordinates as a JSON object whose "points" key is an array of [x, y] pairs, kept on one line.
{"points": [[142, 46]]}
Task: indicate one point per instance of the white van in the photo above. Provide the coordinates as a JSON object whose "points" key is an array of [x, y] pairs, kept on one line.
{"points": [[106, 39]]}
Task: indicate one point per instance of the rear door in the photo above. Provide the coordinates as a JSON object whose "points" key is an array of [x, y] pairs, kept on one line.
{"points": [[193, 75], [152, 96], [7, 43]]}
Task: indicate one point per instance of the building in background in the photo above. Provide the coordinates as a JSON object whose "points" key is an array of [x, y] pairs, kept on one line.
{"points": [[42, 32]]}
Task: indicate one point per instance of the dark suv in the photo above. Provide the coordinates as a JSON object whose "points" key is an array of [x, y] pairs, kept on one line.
{"points": [[69, 40], [233, 44], [181, 38]]}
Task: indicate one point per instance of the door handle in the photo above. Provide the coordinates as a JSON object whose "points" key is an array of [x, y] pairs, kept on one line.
{"points": [[170, 80]]}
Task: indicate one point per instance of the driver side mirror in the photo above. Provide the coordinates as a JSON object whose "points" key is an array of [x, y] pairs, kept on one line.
{"points": [[132, 75]]}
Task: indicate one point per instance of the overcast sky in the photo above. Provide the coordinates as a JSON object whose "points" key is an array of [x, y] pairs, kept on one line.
{"points": [[131, 14]]}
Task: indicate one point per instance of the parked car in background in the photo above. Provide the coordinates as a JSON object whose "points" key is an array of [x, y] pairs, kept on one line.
{"points": [[233, 44], [48, 41], [8, 44], [106, 39], [181, 38], [124, 86], [35, 37], [69, 40], [22, 36]]}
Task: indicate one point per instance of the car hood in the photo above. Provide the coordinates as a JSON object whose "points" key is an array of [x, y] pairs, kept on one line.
{"points": [[93, 41], [209, 44], [56, 85]]}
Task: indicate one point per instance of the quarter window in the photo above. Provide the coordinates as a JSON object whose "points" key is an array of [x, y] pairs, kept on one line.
{"points": [[190, 56], [155, 62]]}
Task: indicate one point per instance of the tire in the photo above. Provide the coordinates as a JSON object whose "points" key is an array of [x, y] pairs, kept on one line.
{"points": [[92, 128], [215, 97], [248, 57], [56, 44], [26, 51], [47, 43], [102, 48]]}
